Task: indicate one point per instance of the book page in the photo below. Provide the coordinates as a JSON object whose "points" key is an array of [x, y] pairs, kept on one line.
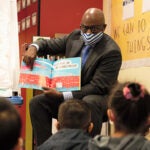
{"points": [[38, 77], [62, 74], [66, 74]]}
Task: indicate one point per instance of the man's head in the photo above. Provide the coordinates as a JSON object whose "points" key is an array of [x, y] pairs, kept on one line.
{"points": [[74, 114], [10, 125], [93, 21]]}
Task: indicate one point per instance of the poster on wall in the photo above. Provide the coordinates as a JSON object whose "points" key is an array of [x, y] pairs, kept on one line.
{"points": [[128, 9], [23, 24], [28, 2], [34, 18], [18, 5], [145, 5], [23, 4], [132, 34], [27, 20]]}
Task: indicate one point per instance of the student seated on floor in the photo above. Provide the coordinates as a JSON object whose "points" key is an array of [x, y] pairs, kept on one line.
{"points": [[74, 124], [129, 110], [10, 126]]}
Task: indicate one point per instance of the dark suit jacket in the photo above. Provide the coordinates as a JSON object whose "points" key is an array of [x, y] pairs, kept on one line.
{"points": [[102, 66]]}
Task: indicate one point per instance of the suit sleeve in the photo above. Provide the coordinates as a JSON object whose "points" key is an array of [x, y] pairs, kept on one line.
{"points": [[52, 46]]}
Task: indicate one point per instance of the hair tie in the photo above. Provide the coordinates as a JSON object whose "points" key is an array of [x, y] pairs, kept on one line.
{"points": [[128, 95]]}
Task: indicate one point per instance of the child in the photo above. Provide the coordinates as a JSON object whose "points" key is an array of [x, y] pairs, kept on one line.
{"points": [[10, 126], [74, 124], [129, 110]]}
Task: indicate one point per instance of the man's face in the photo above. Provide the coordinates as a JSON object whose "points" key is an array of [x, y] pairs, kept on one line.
{"points": [[92, 24], [91, 29]]}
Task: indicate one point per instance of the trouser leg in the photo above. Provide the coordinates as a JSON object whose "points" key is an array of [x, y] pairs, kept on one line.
{"points": [[42, 109], [98, 105]]}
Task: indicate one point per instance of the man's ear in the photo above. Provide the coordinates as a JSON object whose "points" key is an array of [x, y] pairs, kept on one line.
{"points": [[90, 128], [104, 27], [111, 115], [19, 144], [57, 125]]}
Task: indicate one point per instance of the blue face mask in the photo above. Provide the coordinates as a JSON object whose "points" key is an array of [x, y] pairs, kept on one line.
{"points": [[91, 38]]}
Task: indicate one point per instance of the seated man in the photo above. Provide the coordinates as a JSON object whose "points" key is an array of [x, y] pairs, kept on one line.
{"points": [[99, 72], [10, 126], [74, 124]]}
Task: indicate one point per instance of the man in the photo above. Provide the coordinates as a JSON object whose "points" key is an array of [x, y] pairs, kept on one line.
{"points": [[99, 72], [10, 126], [74, 124]]}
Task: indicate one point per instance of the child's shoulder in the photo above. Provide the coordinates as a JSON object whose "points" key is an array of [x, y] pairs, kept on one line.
{"points": [[129, 142]]}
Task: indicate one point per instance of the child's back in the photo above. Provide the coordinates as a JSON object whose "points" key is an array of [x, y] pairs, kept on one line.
{"points": [[130, 142], [74, 124], [129, 110]]}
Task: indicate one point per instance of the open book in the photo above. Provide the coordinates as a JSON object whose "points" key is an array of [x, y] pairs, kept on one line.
{"points": [[63, 74]]}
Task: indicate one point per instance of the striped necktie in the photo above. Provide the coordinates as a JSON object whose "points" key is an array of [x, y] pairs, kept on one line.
{"points": [[84, 55]]}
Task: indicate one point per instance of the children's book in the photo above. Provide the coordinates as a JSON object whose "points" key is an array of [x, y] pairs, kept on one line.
{"points": [[63, 74]]}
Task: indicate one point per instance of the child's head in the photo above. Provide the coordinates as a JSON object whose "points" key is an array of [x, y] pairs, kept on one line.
{"points": [[10, 125], [74, 114], [129, 106]]}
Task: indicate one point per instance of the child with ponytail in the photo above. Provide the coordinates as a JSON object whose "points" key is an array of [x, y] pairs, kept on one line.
{"points": [[129, 110]]}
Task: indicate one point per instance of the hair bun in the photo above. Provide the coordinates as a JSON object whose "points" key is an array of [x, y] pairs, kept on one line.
{"points": [[133, 91]]}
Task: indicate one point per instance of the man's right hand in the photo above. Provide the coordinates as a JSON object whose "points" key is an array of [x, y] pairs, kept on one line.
{"points": [[29, 56]]}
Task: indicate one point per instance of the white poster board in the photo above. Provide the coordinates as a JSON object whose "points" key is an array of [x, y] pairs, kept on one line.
{"points": [[9, 48]]}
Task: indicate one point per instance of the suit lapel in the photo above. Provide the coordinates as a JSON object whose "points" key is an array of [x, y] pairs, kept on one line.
{"points": [[76, 48], [94, 55], [91, 59]]}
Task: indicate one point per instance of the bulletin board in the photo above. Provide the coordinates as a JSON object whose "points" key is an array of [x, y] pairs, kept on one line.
{"points": [[131, 30]]}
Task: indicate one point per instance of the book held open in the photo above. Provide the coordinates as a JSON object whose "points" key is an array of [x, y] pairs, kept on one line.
{"points": [[63, 74]]}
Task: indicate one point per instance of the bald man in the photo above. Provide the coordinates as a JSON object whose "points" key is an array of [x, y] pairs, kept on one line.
{"points": [[99, 72]]}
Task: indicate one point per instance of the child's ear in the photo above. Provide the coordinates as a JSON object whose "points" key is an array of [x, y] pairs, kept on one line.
{"points": [[90, 128], [19, 145], [57, 125], [111, 115]]}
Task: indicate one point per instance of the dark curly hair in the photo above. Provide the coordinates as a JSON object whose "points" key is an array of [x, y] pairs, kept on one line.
{"points": [[74, 114], [130, 102]]}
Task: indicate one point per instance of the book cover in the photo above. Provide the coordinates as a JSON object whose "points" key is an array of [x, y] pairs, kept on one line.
{"points": [[63, 74]]}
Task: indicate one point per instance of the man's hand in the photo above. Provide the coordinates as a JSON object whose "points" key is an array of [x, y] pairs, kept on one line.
{"points": [[52, 92], [30, 55]]}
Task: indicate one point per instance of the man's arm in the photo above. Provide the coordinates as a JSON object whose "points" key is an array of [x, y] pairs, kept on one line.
{"points": [[43, 47]]}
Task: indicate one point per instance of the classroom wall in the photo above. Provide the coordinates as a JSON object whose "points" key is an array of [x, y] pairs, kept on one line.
{"points": [[130, 28], [63, 16], [115, 23]]}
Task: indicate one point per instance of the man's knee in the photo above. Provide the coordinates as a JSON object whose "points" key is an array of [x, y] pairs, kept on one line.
{"points": [[90, 98], [33, 104], [97, 99], [98, 104]]}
